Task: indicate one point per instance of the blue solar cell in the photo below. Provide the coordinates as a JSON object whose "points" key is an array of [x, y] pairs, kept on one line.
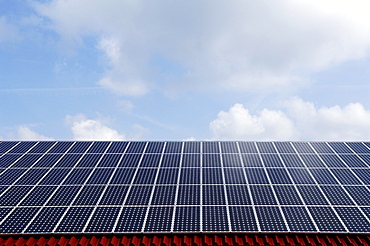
{"points": [[359, 147], [242, 219], [131, 219], [354, 220], [27, 160], [345, 176], [89, 160], [366, 211], [263, 195], [32, 177], [353, 161], [173, 147], [14, 195], [46, 220], [312, 160], [64, 196], [60, 147], [323, 176], [10, 176], [278, 176], [270, 219], [75, 219], [298, 219], [303, 148], [215, 219], [103, 219], [360, 194], [38, 196], [89, 195], [213, 195], [287, 195], [130, 160], [18, 220], [332, 161], [42, 147], [100, 176], [321, 147], [2, 189], [79, 147], [229, 147], [251, 160], [168, 176], [292, 160], [114, 195], [231, 160], [312, 195], [8, 159], [4, 212], [55, 177], [234, 176], [339, 147], [123, 176], [301, 176], [266, 147], [145, 176], [136, 147], [98, 147], [336, 195], [77, 176], [154, 147], [238, 195], [139, 195], [159, 219], [212, 176], [191, 147], [284, 147], [256, 176], [117, 147], [187, 219], [110, 160], [366, 159], [190, 160], [69, 160], [190, 176], [211, 160], [172, 160], [189, 195], [326, 220], [364, 175], [247, 147], [22, 147], [150, 160], [48, 160], [210, 147], [271, 160], [164, 195], [6, 146]]}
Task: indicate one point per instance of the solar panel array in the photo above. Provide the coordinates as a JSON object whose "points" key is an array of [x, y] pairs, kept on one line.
{"points": [[131, 187]]}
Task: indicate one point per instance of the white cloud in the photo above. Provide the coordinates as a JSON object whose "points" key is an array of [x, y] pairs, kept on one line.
{"points": [[25, 133], [299, 120], [8, 32], [240, 44], [91, 129]]}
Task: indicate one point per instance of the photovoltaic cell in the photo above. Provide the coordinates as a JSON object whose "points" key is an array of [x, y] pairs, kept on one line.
{"points": [[139, 195], [263, 195], [41, 147], [298, 219], [189, 195], [301, 176], [79, 147], [38, 196], [46, 220], [270, 219], [303, 148], [154, 147], [312, 195], [27, 160], [136, 147], [247, 147], [271, 160], [54, 177], [64, 196], [332, 160], [103, 219], [211, 160], [231, 160], [192, 147], [145, 176], [243, 219], [238, 195], [234, 176], [359, 147], [187, 219], [159, 219], [6, 146], [75, 219], [31, 177], [339, 147], [60, 147], [312, 161], [89, 195], [212, 176], [100, 176], [336, 195], [168, 176], [8, 159], [229, 147], [323, 176], [173, 147], [164, 195], [213, 195], [326, 220], [360, 194], [123, 176], [69, 160], [215, 219], [190, 176], [354, 220], [284, 147], [131, 220], [256, 176], [109, 160], [353, 161], [114, 195], [211, 147], [150, 160], [22, 147], [321, 147], [251, 160], [130, 160], [98, 147], [292, 160], [363, 174], [266, 147], [173, 160], [48, 160], [18, 220], [14, 195], [117, 147], [11, 175], [278, 176], [287, 195]]}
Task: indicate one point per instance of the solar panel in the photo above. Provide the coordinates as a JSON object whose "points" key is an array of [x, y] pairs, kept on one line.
{"points": [[137, 187]]}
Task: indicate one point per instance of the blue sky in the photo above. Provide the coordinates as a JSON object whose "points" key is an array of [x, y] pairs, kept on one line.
{"points": [[175, 70]]}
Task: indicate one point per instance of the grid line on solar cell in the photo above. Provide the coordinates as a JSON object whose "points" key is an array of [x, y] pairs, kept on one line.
{"points": [[326, 219], [358, 147], [5, 147], [45, 220], [354, 219], [247, 147]]}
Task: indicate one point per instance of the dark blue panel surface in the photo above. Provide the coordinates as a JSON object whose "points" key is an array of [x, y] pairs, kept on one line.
{"points": [[10, 176], [46, 220], [98, 147], [263, 195], [212, 176], [23, 147], [229, 147], [32, 177], [64, 196], [292, 160], [301, 176], [247, 147], [145, 176], [150, 160], [345, 176], [131, 219], [312, 161], [364, 175], [6, 146], [154, 147], [187, 219], [38, 196], [79, 147], [190, 176], [210, 147], [336, 195], [256, 176], [332, 160], [287, 195], [189, 195], [213, 195], [251, 160], [164, 195], [278, 176], [168, 176], [159, 219], [242, 219], [173, 147], [110, 160], [326, 220], [298, 219], [353, 161], [366, 159], [173, 160], [266, 147], [321, 147], [139, 195], [211, 160], [234, 176], [215, 219], [136, 147], [41, 147], [27, 160], [270, 219], [238, 195], [103, 219], [114, 195], [231, 160], [130, 160], [100, 176], [75, 219], [323, 176], [61, 147], [312, 195], [123, 176], [18, 220], [117, 147], [8, 159], [303, 147], [89, 195], [284, 147], [78, 176], [191, 147], [69, 160], [340, 147], [359, 148], [14, 195], [354, 220], [48, 160], [360, 194], [271, 160]]}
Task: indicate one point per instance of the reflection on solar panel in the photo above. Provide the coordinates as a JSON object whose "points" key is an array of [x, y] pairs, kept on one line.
{"points": [[135, 187]]}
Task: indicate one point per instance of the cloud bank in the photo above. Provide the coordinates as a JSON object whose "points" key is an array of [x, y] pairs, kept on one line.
{"points": [[299, 120]]}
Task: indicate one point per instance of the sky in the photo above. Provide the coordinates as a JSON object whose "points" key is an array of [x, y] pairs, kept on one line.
{"points": [[185, 70]]}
